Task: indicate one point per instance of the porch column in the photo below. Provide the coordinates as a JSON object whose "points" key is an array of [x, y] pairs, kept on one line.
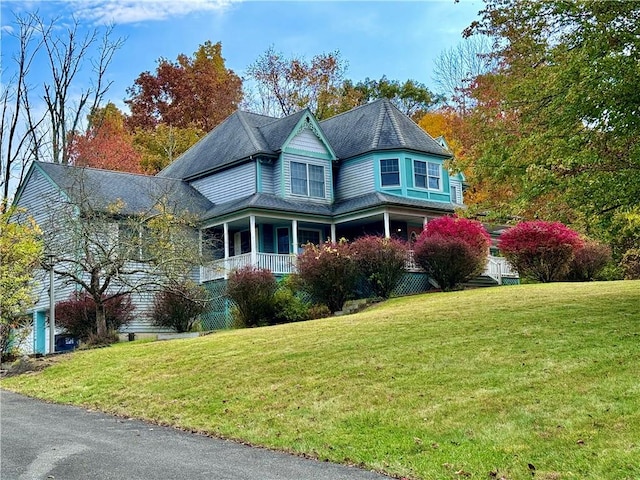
{"points": [[254, 243], [333, 232], [225, 234], [294, 235], [387, 229], [424, 222]]}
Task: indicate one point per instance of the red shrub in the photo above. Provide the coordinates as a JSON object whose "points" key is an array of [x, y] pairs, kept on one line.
{"points": [[452, 250], [588, 261], [77, 315], [328, 273], [540, 250], [381, 261], [252, 290], [178, 307]]}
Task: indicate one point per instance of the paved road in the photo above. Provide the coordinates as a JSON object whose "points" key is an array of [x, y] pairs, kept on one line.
{"points": [[45, 441]]}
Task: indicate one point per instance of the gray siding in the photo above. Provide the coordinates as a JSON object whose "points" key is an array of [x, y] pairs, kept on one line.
{"points": [[267, 178], [231, 184], [306, 140], [355, 178]]}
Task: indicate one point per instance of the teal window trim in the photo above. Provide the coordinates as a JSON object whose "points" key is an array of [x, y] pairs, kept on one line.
{"points": [[427, 175], [389, 172], [307, 180]]}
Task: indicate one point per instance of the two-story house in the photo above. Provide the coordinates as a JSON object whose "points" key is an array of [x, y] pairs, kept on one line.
{"points": [[263, 187]]}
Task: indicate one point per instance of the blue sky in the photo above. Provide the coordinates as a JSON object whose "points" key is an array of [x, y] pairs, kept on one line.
{"points": [[396, 39]]}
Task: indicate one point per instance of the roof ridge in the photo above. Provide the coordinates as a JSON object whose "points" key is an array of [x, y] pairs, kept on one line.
{"points": [[248, 129], [107, 170], [376, 136], [394, 122]]}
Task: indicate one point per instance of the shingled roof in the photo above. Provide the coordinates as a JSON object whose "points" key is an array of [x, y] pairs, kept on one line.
{"points": [[241, 136], [138, 194], [378, 125]]}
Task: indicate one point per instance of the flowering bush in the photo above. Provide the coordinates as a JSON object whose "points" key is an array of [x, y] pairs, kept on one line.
{"points": [[540, 250], [452, 250], [328, 273], [381, 262], [252, 291], [77, 315], [588, 261], [178, 307]]}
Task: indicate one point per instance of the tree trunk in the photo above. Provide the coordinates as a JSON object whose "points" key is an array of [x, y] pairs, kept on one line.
{"points": [[101, 321]]}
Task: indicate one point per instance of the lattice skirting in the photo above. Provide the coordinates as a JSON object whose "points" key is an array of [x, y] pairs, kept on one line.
{"points": [[218, 315], [510, 281], [412, 283]]}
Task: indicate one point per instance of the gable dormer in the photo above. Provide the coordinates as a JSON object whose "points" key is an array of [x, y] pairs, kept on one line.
{"points": [[303, 170]]}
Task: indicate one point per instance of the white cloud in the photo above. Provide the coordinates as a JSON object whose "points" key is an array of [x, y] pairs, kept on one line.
{"points": [[134, 11]]}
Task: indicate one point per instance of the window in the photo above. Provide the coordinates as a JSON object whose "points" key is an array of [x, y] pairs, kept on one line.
{"points": [[434, 176], [426, 175], [454, 194], [308, 236], [307, 180], [389, 172]]}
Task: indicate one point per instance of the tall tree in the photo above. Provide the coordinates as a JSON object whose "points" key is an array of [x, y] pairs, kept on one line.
{"points": [[163, 144], [285, 85], [456, 68], [64, 52], [568, 82], [198, 91], [106, 143], [411, 97]]}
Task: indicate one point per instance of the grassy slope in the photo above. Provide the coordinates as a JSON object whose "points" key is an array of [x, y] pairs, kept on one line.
{"points": [[477, 383]]}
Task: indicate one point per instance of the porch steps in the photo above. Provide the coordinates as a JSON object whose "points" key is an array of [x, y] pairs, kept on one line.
{"points": [[481, 281]]}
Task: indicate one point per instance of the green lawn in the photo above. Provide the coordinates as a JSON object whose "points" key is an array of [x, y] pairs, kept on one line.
{"points": [[477, 384]]}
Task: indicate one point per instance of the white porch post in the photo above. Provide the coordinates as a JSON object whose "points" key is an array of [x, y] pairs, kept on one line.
{"points": [[387, 229], [424, 223], [225, 234], [294, 235], [333, 232], [254, 243]]}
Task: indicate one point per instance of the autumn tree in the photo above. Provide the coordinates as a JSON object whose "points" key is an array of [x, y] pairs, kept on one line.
{"points": [[106, 143], [191, 92], [160, 146], [20, 254], [563, 125], [285, 85]]}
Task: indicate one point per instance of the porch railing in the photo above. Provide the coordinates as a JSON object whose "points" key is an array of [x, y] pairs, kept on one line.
{"points": [[278, 264], [497, 267]]}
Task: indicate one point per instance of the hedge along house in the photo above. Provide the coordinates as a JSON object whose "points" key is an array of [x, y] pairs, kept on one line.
{"points": [[262, 187]]}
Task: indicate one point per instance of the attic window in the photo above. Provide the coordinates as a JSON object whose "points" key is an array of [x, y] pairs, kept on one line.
{"points": [[389, 172]]}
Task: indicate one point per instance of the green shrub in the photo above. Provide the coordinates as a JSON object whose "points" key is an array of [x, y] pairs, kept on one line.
{"points": [[630, 264], [252, 291], [381, 262], [288, 307], [328, 273], [179, 306]]}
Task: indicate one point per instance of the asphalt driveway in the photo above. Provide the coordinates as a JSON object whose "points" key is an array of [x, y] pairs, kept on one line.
{"points": [[58, 442]]}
